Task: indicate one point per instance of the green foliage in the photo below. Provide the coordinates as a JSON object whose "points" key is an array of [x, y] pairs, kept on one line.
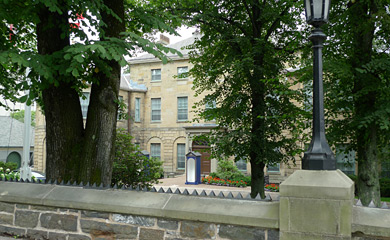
{"points": [[79, 61], [6, 171], [228, 170], [238, 62], [9, 165], [130, 167], [385, 187], [19, 115]]}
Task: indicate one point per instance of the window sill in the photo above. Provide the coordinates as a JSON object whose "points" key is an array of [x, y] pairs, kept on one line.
{"points": [[274, 173], [182, 79], [182, 121], [155, 121], [156, 81]]}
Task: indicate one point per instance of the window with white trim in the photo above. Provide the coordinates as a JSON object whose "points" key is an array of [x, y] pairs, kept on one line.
{"points": [[345, 159], [155, 150], [181, 156], [273, 167], [156, 109], [182, 108], [241, 165], [137, 112], [182, 72], [156, 75]]}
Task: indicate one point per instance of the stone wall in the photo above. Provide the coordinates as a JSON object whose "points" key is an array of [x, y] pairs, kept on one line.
{"points": [[37, 222], [313, 205], [46, 211]]}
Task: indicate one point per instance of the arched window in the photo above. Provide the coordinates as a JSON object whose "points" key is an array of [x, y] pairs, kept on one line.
{"points": [[15, 158]]}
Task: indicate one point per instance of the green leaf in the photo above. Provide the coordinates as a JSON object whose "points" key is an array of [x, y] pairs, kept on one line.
{"points": [[75, 72]]}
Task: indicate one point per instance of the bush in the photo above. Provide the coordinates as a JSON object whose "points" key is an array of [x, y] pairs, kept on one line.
{"points": [[228, 170], [10, 165], [130, 167]]}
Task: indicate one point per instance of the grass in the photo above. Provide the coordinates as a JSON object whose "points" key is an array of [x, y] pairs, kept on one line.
{"points": [[385, 199]]}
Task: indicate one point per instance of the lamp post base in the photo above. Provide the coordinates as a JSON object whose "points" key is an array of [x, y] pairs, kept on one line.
{"points": [[319, 161]]}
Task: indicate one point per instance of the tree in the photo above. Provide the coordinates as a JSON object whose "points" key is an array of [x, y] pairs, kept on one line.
{"points": [[357, 87], [60, 70], [239, 58]]}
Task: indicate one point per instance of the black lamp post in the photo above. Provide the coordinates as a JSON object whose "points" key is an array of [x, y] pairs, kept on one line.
{"points": [[319, 156]]}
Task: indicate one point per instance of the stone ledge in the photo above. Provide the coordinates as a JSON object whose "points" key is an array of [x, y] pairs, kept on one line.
{"points": [[332, 185], [371, 221], [194, 208]]}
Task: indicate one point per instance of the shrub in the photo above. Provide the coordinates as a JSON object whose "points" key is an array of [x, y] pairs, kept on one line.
{"points": [[228, 170], [10, 165], [130, 167]]}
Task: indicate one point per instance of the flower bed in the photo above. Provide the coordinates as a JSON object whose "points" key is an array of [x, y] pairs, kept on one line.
{"points": [[271, 187], [223, 182]]}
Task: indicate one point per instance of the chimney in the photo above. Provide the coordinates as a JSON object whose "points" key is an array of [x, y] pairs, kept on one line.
{"points": [[164, 40], [196, 34]]}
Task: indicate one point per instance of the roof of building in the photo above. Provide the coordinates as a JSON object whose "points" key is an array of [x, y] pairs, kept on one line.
{"points": [[180, 46], [11, 132], [128, 85]]}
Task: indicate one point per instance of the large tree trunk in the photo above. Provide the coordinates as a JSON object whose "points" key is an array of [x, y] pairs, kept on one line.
{"points": [[368, 174], [258, 133], [102, 112], [365, 101], [64, 126], [72, 153]]}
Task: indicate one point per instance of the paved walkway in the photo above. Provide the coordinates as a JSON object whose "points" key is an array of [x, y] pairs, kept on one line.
{"points": [[179, 182]]}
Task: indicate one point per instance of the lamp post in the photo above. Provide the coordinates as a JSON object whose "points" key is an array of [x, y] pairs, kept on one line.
{"points": [[319, 156]]}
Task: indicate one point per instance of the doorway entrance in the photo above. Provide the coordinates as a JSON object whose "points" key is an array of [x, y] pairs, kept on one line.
{"points": [[205, 159]]}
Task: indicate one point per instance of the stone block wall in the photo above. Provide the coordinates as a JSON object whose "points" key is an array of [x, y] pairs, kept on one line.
{"points": [[313, 205], [37, 222]]}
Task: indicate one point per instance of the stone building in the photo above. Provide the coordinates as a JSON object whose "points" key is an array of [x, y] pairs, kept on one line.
{"points": [[162, 116], [160, 104], [11, 140]]}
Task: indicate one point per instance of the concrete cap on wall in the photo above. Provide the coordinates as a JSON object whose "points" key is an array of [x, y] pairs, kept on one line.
{"points": [[318, 184]]}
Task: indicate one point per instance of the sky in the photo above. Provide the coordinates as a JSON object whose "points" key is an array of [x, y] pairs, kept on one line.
{"points": [[185, 32]]}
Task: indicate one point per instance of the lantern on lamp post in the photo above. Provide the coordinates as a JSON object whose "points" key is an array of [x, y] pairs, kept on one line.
{"points": [[319, 156]]}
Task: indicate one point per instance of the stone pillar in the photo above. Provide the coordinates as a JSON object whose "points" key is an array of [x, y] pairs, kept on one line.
{"points": [[316, 205]]}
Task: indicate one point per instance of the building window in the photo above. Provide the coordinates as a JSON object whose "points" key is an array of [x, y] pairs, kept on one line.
{"points": [[137, 116], [181, 155], [182, 72], [156, 109], [241, 165], [155, 150], [273, 167], [156, 74], [182, 108], [84, 102], [209, 105], [345, 160]]}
